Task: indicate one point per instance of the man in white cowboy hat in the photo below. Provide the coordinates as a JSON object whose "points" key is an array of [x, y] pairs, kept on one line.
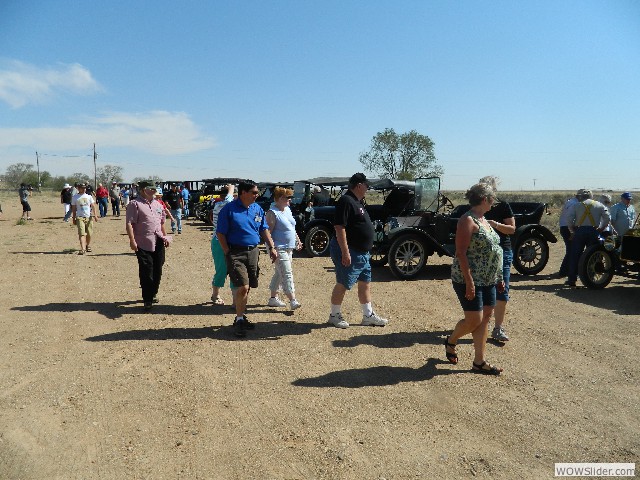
{"points": [[65, 198]]}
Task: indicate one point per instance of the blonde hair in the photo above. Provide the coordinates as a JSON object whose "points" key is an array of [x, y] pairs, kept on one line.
{"points": [[279, 192]]}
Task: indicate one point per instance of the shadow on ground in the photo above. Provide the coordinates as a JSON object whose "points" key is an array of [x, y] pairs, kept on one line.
{"points": [[378, 376], [263, 331]]}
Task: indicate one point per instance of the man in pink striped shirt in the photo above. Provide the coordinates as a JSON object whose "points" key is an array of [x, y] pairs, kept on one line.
{"points": [[148, 238]]}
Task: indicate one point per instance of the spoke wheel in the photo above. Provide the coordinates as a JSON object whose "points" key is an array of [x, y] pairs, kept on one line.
{"points": [[596, 267], [407, 256], [316, 242], [531, 255]]}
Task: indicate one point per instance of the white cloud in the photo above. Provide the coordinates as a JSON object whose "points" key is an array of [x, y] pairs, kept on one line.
{"points": [[156, 132], [21, 83]]}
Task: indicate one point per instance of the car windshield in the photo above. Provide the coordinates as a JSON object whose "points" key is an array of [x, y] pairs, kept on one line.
{"points": [[427, 190]]}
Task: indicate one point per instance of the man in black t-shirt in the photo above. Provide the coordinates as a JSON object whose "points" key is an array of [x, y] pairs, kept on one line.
{"points": [[350, 253], [174, 200], [501, 219], [65, 198]]}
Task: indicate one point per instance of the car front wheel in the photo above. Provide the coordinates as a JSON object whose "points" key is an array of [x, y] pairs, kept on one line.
{"points": [[530, 255], [316, 241], [407, 256], [596, 267]]}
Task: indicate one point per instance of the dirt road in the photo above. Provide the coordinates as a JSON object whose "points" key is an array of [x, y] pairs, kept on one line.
{"points": [[93, 388]]}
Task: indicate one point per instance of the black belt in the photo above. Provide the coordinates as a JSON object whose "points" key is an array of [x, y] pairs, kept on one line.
{"points": [[242, 248]]}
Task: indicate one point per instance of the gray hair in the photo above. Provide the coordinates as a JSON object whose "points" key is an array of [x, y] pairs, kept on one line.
{"points": [[491, 180], [479, 192]]}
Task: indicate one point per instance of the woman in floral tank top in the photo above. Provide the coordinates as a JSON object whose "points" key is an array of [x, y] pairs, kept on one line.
{"points": [[476, 270]]}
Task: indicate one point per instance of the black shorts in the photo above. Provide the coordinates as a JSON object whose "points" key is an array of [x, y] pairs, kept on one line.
{"points": [[25, 206], [242, 266]]}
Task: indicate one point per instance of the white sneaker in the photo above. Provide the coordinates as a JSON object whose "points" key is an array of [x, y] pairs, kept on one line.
{"points": [[295, 304], [374, 320], [276, 302], [337, 321]]}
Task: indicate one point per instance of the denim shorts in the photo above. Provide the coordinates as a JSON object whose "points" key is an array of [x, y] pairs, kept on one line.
{"points": [[358, 271], [507, 259], [485, 297]]}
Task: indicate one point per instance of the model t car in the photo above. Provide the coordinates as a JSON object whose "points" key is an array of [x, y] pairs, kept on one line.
{"points": [[614, 255], [429, 227]]}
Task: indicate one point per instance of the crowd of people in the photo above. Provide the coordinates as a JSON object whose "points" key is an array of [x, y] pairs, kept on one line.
{"points": [[480, 271]]}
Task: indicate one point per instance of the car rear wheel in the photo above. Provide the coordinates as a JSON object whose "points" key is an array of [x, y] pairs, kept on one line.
{"points": [[316, 241], [407, 256], [596, 267], [530, 255]]}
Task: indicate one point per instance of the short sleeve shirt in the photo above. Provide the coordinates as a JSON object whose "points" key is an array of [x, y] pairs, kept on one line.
{"points": [[83, 204], [146, 219], [499, 213], [351, 213], [241, 225]]}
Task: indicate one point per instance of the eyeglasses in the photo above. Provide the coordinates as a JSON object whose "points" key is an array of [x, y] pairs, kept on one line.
{"points": [[254, 192], [289, 198]]}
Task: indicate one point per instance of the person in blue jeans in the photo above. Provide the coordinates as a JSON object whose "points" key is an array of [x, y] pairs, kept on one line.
{"points": [[501, 219], [587, 220], [184, 191], [173, 199]]}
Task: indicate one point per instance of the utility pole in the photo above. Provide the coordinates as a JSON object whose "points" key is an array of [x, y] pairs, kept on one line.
{"points": [[38, 164], [534, 183], [95, 169]]}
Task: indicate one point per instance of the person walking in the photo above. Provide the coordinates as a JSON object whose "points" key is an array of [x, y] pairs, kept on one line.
{"points": [[475, 273], [65, 198], [501, 219], [102, 197], [174, 200], [145, 227], [241, 225], [349, 251], [24, 192], [565, 233], [219, 261], [114, 195], [83, 213], [124, 195], [282, 226]]}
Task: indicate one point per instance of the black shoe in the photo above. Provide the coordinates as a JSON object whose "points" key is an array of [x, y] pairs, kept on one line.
{"points": [[239, 329], [147, 306], [247, 324], [155, 300], [179, 232]]}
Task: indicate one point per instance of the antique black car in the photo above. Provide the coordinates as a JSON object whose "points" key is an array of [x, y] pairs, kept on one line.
{"points": [[429, 227], [611, 256]]}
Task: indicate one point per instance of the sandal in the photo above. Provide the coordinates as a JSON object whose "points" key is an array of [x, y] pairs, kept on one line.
{"points": [[451, 356], [485, 369], [88, 248], [80, 252], [217, 301]]}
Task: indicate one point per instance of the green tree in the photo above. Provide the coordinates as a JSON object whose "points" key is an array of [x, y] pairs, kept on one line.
{"points": [[403, 157], [19, 173], [79, 177], [109, 174]]}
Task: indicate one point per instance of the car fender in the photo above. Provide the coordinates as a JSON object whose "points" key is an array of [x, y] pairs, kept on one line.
{"points": [[431, 244], [536, 230]]}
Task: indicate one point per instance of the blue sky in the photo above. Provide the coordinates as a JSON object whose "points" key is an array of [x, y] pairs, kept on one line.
{"points": [[285, 90]]}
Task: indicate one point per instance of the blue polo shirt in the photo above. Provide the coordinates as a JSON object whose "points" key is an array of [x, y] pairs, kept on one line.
{"points": [[241, 225]]}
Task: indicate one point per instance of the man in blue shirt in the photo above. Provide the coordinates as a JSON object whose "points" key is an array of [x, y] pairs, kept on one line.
{"points": [[184, 191], [623, 214], [241, 225]]}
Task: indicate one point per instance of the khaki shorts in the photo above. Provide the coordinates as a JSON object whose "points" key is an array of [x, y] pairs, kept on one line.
{"points": [[242, 266], [85, 226]]}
